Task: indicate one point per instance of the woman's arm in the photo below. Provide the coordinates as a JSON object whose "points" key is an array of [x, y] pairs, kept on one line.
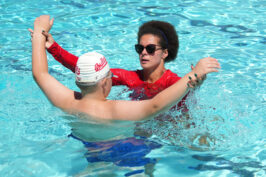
{"points": [[70, 61], [62, 56]]}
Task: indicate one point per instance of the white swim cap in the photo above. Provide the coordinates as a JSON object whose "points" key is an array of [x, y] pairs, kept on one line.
{"points": [[91, 68]]}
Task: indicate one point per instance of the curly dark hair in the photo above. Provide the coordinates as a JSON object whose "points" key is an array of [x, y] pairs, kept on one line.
{"points": [[167, 34]]}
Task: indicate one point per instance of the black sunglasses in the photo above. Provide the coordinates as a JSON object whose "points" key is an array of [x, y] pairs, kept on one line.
{"points": [[151, 48]]}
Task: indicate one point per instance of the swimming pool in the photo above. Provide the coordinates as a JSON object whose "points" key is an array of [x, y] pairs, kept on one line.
{"points": [[230, 109]]}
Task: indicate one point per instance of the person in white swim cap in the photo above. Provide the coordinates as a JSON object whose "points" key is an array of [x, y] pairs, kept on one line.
{"points": [[93, 77], [91, 68]]}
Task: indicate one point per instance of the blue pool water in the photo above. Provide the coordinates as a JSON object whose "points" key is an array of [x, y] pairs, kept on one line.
{"points": [[230, 109]]}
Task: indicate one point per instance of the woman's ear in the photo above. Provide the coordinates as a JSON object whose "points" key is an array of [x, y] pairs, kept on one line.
{"points": [[165, 53]]}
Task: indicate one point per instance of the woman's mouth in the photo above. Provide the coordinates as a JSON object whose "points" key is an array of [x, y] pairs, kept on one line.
{"points": [[144, 61]]}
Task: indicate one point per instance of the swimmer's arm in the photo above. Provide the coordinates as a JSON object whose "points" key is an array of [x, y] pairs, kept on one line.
{"points": [[58, 94], [138, 110]]}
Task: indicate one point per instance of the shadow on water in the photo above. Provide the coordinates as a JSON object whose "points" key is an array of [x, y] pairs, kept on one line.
{"points": [[224, 164], [237, 30], [20, 66], [72, 3], [158, 11]]}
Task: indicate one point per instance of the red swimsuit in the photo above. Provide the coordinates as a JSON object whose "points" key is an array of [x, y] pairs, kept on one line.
{"points": [[132, 79]]}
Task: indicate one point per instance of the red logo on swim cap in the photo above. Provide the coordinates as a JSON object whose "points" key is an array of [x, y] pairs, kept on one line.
{"points": [[77, 70], [100, 66]]}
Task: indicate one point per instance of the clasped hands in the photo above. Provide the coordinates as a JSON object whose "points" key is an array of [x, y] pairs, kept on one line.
{"points": [[42, 24]]}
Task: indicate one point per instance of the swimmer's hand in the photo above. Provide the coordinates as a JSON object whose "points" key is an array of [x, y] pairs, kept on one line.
{"points": [[206, 65], [49, 38], [43, 23]]}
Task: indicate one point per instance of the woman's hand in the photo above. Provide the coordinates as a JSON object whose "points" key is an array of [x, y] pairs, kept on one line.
{"points": [[203, 67], [195, 83], [49, 38]]}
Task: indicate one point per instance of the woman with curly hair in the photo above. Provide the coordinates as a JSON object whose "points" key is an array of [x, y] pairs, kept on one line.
{"points": [[157, 44]]}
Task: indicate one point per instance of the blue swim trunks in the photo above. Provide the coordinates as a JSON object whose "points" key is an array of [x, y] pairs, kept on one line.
{"points": [[129, 152]]}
